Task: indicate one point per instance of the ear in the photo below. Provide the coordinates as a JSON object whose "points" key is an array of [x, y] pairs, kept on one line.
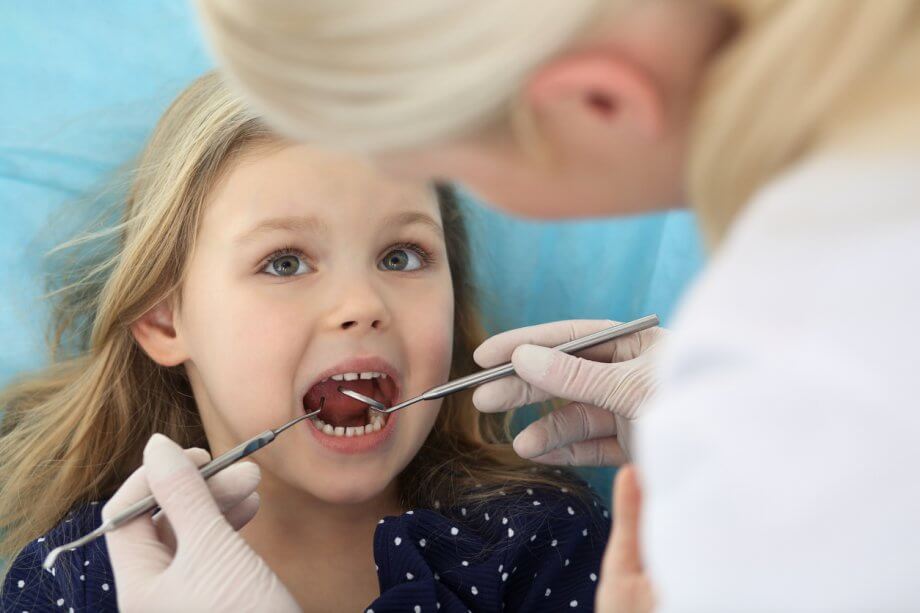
{"points": [[599, 92], [156, 333]]}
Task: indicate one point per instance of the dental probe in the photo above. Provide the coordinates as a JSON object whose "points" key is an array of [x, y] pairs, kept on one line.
{"points": [[150, 504], [503, 370]]}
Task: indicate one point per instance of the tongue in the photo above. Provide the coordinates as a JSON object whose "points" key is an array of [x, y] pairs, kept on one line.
{"points": [[339, 409]]}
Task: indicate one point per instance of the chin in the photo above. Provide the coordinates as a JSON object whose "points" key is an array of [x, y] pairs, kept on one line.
{"points": [[348, 487]]}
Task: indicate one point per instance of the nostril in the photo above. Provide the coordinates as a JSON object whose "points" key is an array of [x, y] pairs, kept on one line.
{"points": [[347, 325]]}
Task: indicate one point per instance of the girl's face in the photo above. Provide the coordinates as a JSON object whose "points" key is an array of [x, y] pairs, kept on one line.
{"points": [[313, 271]]}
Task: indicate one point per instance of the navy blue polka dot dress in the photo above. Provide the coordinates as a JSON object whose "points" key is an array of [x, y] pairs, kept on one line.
{"points": [[538, 550], [80, 581]]}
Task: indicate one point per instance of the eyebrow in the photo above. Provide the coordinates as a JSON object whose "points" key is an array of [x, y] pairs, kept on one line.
{"points": [[316, 225], [409, 218], [288, 224]]}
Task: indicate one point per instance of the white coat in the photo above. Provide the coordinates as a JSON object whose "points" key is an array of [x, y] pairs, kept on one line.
{"points": [[781, 460]]}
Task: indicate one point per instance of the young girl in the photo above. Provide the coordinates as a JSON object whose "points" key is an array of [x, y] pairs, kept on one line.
{"points": [[251, 277]]}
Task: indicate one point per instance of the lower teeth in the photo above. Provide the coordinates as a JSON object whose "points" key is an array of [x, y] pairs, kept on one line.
{"points": [[376, 422]]}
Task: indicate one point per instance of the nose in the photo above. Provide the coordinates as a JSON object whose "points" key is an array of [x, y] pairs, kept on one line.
{"points": [[358, 307]]}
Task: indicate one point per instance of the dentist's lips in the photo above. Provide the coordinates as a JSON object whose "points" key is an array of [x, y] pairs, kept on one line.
{"points": [[347, 425]]}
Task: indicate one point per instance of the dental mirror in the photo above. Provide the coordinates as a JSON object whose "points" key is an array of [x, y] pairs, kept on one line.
{"points": [[371, 402]]}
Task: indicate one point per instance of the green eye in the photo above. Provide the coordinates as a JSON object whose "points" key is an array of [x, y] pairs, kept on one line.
{"points": [[400, 260], [286, 265]]}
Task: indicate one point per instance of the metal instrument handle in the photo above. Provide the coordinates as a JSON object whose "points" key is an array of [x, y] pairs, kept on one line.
{"points": [[148, 504], [573, 346]]}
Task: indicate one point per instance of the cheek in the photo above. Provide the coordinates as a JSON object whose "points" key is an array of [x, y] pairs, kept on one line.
{"points": [[534, 192], [534, 197], [429, 325], [245, 347]]}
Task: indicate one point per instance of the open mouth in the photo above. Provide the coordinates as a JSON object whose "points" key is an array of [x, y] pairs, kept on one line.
{"points": [[346, 417]]}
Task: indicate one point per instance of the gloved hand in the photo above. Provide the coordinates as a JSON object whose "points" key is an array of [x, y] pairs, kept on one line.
{"points": [[190, 558], [607, 386]]}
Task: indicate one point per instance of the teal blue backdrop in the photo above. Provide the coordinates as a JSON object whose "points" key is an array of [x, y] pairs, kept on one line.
{"points": [[83, 84]]}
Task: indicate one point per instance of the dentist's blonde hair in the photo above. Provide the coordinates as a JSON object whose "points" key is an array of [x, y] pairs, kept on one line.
{"points": [[371, 75], [799, 75]]}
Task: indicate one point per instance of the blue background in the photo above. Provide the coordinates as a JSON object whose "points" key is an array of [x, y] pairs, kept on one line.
{"points": [[84, 82]]}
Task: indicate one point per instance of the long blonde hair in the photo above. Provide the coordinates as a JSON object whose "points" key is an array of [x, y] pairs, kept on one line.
{"points": [[803, 76], [798, 76], [72, 433]]}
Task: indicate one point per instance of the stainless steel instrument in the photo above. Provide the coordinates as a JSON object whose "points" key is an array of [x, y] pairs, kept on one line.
{"points": [[497, 372], [149, 504]]}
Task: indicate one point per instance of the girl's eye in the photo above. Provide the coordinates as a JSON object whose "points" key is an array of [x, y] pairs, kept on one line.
{"points": [[401, 260], [286, 265]]}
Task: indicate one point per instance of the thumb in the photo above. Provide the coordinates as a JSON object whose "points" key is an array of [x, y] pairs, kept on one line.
{"points": [[624, 553], [570, 377], [136, 552], [136, 549], [179, 489]]}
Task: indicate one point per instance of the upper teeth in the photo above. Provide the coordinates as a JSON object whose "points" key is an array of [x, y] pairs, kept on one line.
{"points": [[354, 376]]}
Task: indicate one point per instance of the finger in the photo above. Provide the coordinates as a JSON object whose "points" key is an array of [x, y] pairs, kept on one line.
{"points": [[137, 549], [624, 551], [136, 534], [229, 488], [512, 392], [135, 487], [234, 484], [179, 489], [579, 379], [240, 515], [597, 452], [572, 423], [498, 349], [199, 458], [506, 394]]}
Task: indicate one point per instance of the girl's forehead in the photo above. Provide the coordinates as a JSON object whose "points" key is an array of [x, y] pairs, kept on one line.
{"points": [[301, 181]]}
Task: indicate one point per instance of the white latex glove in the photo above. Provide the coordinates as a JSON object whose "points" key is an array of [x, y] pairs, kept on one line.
{"points": [[196, 561], [607, 386]]}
